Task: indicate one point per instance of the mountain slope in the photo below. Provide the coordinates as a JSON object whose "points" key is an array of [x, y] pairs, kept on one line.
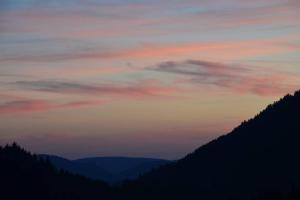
{"points": [[260, 155]]}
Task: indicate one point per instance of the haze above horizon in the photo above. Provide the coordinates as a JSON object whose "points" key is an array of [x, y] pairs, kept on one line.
{"points": [[140, 78]]}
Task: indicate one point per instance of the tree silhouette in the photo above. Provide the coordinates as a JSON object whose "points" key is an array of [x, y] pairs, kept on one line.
{"points": [[26, 176]]}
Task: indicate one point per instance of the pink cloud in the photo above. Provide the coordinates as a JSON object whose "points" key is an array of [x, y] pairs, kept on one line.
{"points": [[28, 106], [25, 106], [147, 89], [142, 89], [128, 20], [19, 104], [92, 71], [208, 50], [10, 96], [78, 104]]}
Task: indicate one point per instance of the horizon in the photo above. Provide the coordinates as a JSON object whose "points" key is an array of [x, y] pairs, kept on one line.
{"points": [[139, 157], [146, 79]]}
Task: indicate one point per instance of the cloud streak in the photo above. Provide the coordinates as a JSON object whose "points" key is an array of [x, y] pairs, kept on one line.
{"points": [[29, 106], [114, 19], [199, 68], [150, 88], [237, 78], [222, 50]]}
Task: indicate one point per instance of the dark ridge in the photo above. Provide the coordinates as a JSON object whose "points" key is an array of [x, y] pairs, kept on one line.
{"points": [[261, 155], [27, 176]]}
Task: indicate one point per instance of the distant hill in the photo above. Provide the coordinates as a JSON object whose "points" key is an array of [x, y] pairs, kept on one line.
{"points": [[110, 169], [260, 159]]}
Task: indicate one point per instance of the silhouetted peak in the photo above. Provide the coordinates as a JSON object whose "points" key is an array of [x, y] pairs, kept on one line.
{"points": [[259, 155], [297, 93], [264, 128], [282, 109], [14, 145], [14, 148]]}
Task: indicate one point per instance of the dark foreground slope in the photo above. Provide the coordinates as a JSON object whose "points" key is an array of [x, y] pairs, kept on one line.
{"points": [[257, 160], [25, 176]]}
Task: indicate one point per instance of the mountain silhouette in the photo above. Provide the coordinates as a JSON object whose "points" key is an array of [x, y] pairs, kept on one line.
{"points": [[27, 176], [257, 160], [109, 169]]}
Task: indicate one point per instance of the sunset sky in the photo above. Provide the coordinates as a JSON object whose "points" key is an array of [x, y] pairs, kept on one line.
{"points": [[147, 78]]}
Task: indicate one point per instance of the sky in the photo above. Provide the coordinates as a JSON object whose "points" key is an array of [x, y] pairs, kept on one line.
{"points": [[147, 78]]}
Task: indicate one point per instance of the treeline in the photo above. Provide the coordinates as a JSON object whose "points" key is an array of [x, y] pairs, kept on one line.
{"points": [[26, 176]]}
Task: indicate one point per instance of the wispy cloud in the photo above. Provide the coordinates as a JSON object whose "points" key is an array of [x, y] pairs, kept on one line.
{"points": [[111, 19], [237, 78], [147, 88], [222, 50], [19, 104], [29, 105], [25, 106], [93, 71], [199, 68]]}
